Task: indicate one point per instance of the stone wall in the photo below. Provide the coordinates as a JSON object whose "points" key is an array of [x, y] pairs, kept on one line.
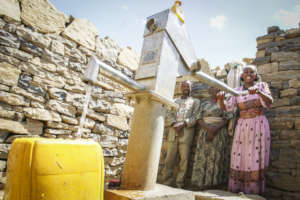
{"points": [[43, 55], [278, 60]]}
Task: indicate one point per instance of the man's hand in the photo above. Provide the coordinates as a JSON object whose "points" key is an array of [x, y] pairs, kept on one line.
{"points": [[178, 126]]}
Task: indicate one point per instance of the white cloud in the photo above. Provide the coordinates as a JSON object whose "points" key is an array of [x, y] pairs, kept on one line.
{"points": [[124, 7], [288, 18], [218, 22]]}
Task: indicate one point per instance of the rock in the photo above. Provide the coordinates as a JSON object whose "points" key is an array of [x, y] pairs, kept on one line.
{"points": [[62, 108], [59, 125], [4, 88], [292, 33], [117, 161], [15, 53], [4, 150], [103, 130], [31, 69], [281, 76], [9, 59], [263, 41], [58, 47], [122, 110], [273, 29], [43, 64], [53, 57], [75, 66], [69, 120], [281, 102], [31, 48], [8, 114], [94, 137], [284, 182], [294, 83], [268, 68], [58, 94], [13, 99], [290, 134], [2, 165], [89, 123], [49, 81], [262, 60], [13, 126], [260, 53], [77, 56], [12, 28], [289, 65], [129, 59], [107, 49], [9, 74], [42, 114], [108, 141], [42, 15], [28, 95], [100, 106], [221, 74], [123, 142], [82, 32], [103, 85], [110, 152], [34, 127], [9, 40], [10, 9], [96, 116], [297, 124], [58, 131], [285, 56], [295, 100], [36, 104], [281, 123], [35, 38], [288, 92], [118, 122], [2, 23], [78, 88]]}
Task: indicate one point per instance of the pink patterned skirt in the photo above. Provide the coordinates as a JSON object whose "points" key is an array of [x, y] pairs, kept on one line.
{"points": [[250, 155]]}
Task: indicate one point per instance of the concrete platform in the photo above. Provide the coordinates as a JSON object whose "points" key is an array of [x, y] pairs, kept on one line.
{"points": [[224, 195], [161, 192]]}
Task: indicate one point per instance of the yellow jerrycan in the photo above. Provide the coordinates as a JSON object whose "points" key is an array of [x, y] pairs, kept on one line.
{"points": [[49, 169]]}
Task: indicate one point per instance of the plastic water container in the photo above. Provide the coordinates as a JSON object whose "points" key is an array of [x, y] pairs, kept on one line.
{"points": [[52, 169]]}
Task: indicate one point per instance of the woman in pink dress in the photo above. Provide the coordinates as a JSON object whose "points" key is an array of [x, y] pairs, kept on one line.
{"points": [[251, 143]]}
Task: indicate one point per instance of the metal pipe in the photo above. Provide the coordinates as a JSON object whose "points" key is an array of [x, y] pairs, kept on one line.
{"points": [[117, 75], [205, 78]]}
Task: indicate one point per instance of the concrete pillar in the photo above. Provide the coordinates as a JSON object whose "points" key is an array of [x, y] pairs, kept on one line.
{"points": [[143, 153]]}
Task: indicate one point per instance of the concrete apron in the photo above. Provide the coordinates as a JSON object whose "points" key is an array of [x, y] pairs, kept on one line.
{"points": [[224, 195], [160, 192]]}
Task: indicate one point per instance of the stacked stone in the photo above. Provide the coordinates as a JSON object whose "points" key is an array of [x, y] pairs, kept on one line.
{"points": [[41, 89], [278, 60]]}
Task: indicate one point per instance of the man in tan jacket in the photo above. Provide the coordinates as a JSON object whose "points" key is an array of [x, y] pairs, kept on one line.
{"points": [[180, 135]]}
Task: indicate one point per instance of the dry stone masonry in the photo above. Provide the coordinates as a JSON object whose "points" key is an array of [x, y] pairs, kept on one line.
{"points": [[43, 55], [278, 60]]}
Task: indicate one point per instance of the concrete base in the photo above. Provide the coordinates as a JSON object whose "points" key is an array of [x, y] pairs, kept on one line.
{"points": [[160, 192], [223, 195]]}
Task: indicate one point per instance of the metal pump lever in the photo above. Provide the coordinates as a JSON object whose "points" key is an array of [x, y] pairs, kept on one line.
{"points": [[95, 65]]}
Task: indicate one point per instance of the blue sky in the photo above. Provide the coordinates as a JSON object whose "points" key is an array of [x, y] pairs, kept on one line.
{"points": [[221, 30]]}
